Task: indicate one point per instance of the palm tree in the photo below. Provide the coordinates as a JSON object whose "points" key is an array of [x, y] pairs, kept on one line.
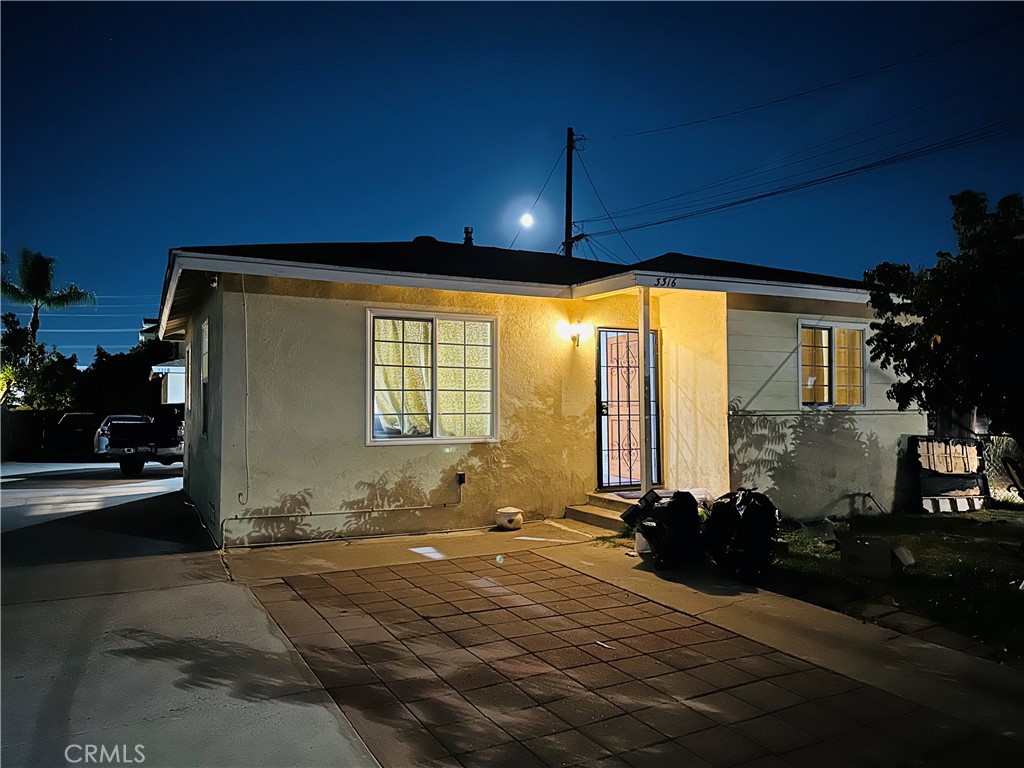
{"points": [[35, 288]]}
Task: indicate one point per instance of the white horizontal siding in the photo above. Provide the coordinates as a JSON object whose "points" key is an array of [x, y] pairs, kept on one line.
{"points": [[775, 344], [764, 361]]}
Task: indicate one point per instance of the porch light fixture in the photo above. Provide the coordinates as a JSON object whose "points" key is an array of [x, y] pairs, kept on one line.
{"points": [[575, 331]]}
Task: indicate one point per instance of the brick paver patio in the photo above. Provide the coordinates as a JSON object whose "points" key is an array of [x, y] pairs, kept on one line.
{"points": [[524, 662]]}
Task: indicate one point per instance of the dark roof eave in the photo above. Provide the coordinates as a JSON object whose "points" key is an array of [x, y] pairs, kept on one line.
{"points": [[700, 266]]}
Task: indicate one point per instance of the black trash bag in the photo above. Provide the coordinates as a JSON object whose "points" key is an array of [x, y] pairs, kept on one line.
{"points": [[740, 533], [720, 529], [673, 531], [641, 509]]}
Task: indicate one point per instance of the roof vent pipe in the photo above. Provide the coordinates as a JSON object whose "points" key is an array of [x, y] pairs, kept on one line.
{"points": [[467, 235]]}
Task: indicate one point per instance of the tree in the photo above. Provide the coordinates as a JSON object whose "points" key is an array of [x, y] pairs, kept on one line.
{"points": [[15, 349], [35, 287], [953, 332], [120, 383], [31, 376]]}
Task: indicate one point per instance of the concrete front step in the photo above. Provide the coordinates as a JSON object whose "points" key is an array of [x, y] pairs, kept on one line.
{"points": [[596, 516], [609, 501]]}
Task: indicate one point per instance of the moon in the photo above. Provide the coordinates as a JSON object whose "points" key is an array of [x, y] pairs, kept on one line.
{"points": [[526, 220]]}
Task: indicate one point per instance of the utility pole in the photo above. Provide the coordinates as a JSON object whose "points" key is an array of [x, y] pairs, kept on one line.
{"points": [[570, 145]]}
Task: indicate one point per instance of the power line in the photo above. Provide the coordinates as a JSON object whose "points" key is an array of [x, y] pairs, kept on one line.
{"points": [[545, 185], [884, 162], [809, 91], [45, 331], [79, 314], [605, 250], [586, 248], [970, 137], [605, 208], [154, 307], [798, 199], [93, 346], [779, 164], [640, 210]]}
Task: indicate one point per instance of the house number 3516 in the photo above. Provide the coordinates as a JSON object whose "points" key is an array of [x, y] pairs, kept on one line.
{"points": [[665, 282]]}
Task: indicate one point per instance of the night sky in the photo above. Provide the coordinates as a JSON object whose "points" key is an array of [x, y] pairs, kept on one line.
{"points": [[132, 128]]}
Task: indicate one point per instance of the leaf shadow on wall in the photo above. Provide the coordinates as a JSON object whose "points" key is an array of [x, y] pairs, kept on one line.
{"points": [[816, 464], [534, 466], [290, 519]]}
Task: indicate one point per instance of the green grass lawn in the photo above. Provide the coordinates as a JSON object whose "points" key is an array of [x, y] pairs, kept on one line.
{"points": [[966, 576]]}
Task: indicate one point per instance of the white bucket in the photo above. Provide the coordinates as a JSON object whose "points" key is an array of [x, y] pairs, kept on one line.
{"points": [[509, 519]]}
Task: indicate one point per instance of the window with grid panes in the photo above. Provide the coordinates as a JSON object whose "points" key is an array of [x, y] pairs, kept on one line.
{"points": [[831, 365], [815, 351], [849, 366], [432, 377]]}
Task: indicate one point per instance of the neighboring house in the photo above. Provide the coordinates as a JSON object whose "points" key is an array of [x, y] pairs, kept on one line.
{"points": [[170, 373], [364, 388], [172, 381], [150, 331]]}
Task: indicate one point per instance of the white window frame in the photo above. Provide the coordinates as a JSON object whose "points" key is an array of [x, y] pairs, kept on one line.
{"points": [[204, 377], [188, 378], [401, 314], [832, 326]]}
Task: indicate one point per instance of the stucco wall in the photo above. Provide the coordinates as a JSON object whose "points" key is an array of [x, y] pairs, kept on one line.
{"points": [[813, 462], [295, 461], [285, 455], [693, 390], [203, 452]]}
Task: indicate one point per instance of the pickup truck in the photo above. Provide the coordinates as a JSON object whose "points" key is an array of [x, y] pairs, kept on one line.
{"points": [[136, 441]]}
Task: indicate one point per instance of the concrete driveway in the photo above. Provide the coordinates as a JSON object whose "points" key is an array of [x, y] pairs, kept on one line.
{"points": [[542, 658], [39, 492], [122, 629]]}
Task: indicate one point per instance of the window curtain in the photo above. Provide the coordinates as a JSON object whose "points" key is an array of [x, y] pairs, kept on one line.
{"points": [[401, 370]]}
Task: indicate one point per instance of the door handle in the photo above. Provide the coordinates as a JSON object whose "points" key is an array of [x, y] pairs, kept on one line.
{"points": [[604, 407]]}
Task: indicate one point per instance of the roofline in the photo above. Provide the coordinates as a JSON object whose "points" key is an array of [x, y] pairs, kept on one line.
{"points": [[680, 281], [182, 260]]}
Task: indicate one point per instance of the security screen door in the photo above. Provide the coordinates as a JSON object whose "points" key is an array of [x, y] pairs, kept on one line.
{"points": [[619, 389]]}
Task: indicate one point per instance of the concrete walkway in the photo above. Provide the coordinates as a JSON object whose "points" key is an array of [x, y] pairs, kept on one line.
{"points": [[473, 650], [121, 628]]}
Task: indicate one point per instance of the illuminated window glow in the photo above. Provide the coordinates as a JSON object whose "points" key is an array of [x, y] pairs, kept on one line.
{"points": [[831, 365], [433, 378]]}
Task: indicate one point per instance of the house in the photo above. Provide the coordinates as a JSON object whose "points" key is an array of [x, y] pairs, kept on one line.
{"points": [[172, 381], [349, 389], [170, 373]]}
